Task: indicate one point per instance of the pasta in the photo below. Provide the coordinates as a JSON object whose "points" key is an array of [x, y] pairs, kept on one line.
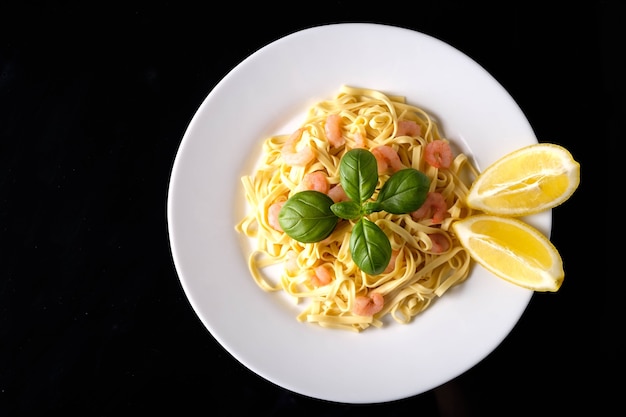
{"points": [[427, 260]]}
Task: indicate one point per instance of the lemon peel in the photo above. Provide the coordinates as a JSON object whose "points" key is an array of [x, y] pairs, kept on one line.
{"points": [[526, 181], [512, 250]]}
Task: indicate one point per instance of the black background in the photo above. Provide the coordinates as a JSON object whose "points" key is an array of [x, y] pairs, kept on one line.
{"points": [[94, 101]]}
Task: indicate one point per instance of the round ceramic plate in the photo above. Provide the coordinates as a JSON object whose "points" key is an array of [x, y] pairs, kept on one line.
{"points": [[269, 93]]}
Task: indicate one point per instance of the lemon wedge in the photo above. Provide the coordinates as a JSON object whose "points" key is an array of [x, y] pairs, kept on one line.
{"points": [[512, 250], [528, 180]]}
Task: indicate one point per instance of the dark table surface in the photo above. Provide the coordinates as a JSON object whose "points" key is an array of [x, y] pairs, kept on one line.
{"points": [[94, 101]]}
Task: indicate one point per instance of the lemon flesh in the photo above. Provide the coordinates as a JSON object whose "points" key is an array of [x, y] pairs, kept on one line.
{"points": [[529, 180], [512, 250]]}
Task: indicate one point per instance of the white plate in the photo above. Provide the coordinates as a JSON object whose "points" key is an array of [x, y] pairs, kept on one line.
{"points": [[268, 93]]}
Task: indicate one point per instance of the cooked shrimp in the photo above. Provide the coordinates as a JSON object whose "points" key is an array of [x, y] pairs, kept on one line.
{"points": [[368, 305], [434, 206], [293, 157], [333, 130], [387, 158], [438, 154], [321, 276], [440, 243], [315, 180], [338, 194], [272, 215], [408, 128]]}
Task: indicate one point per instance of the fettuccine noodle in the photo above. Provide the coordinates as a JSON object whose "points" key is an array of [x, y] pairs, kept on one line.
{"points": [[427, 259]]}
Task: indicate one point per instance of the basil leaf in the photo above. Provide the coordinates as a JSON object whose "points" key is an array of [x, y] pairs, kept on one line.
{"points": [[404, 192], [370, 247], [346, 209], [370, 207], [358, 174], [306, 216]]}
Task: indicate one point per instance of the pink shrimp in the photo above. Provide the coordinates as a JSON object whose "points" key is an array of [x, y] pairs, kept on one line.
{"points": [[293, 157], [338, 194], [315, 180], [440, 243], [434, 205], [321, 276], [438, 154], [408, 128], [387, 158], [368, 305], [333, 130], [272, 215]]}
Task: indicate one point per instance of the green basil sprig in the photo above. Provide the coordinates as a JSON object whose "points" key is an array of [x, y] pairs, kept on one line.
{"points": [[358, 174], [311, 216], [405, 191], [370, 247], [306, 216]]}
